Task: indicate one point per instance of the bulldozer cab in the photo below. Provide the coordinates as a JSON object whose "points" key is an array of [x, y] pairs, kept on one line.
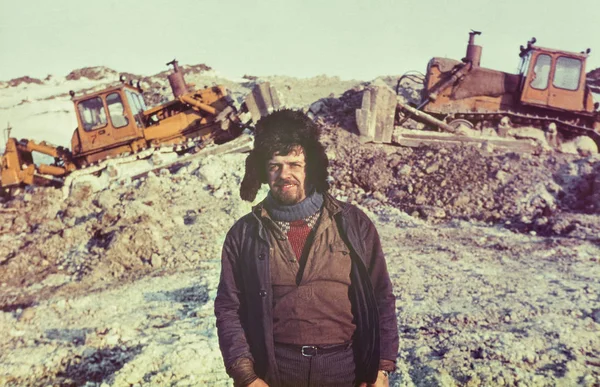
{"points": [[108, 118], [553, 78]]}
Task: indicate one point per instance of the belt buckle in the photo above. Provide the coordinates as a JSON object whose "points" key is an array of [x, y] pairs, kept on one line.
{"points": [[309, 350]]}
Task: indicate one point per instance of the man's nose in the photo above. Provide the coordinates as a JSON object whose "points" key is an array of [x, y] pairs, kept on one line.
{"points": [[285, 172]]}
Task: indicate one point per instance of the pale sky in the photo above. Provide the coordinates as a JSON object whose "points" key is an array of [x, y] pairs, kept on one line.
{"points": [[359, 39]]}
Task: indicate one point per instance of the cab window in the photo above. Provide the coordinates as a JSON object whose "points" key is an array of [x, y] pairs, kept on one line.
{"points": [[541, 72], [141, 101], [136, 102], [567, 73], [116, 110], [92, 114]]}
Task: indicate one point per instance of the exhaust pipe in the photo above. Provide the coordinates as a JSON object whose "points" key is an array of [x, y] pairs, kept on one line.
{"points": [[473, 50], [176, 80]]}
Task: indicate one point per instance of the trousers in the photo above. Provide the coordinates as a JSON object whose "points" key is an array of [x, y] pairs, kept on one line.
{"points": [[315, 368]]}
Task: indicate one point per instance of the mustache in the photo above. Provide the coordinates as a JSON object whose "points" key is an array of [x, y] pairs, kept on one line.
{"points": [[282, 182]]}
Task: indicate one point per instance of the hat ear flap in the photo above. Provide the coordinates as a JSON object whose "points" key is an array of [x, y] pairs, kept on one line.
{"points": [[251, 182]]}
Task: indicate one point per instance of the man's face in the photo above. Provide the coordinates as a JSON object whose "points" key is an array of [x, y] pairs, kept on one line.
{"points": [[287, 176]]}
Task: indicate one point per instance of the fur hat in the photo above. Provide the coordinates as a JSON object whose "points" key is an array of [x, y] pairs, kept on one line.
{"points": [[280, 132]]}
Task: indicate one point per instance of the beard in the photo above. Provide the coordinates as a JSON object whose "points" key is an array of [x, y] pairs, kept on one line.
{"points": [[289, 196]]}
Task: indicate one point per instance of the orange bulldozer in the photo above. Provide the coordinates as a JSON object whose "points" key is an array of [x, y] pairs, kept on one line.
{"points": [[119, 138]]}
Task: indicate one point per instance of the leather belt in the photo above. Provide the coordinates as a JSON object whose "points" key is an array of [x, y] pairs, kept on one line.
{"points": [[314, 350]]}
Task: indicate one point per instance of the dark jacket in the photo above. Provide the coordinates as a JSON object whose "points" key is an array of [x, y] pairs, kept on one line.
{"points": [[243, 305]]}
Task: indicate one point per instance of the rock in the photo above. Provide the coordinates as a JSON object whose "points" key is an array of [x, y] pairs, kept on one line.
{"points": [[317, 107], [431, 168], [27, 315], [370, 202], [112, 339], [581, 145], [20, 225], [379, 196], [181, 174], [396, 194], [429, 212], [211, 174], [107, 200], [461, 200], [156, 260], [421, 199], [404, 170], [219, 193], [502, 176]]}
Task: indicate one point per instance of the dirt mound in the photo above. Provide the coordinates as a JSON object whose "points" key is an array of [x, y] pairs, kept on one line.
{"points": [[593, 77], [339, 112], [120, 233], [580, 183], [186, 70], [26, 79], [93, 73], [196, 69], [593, 80], [464, 182], [526, 192]]}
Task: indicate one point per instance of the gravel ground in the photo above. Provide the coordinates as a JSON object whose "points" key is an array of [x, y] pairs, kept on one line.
{"points": [[493, 255]]}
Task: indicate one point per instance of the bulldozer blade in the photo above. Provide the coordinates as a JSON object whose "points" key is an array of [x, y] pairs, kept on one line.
{"points": [[417, 138], [263, 100], [116, 171], [375, 119]]}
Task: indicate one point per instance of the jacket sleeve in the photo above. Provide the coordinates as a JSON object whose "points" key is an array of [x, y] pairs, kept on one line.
{"points": [[229, 307], [382, 286]]}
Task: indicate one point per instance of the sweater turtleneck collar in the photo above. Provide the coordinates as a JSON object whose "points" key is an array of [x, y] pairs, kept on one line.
{"points": [[282, 213]]}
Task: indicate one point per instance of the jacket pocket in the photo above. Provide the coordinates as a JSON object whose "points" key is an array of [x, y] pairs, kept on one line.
{"points": [[339, 263], [339, 250]]}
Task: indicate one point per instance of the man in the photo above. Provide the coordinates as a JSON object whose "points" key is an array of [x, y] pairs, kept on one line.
{"points": [[304, 297]]}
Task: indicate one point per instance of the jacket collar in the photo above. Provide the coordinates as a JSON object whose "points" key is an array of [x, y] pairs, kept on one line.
{"points": [[332, 205]]}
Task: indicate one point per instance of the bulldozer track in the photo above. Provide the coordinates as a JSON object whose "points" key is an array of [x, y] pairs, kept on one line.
{"points": [[537, 121]]}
